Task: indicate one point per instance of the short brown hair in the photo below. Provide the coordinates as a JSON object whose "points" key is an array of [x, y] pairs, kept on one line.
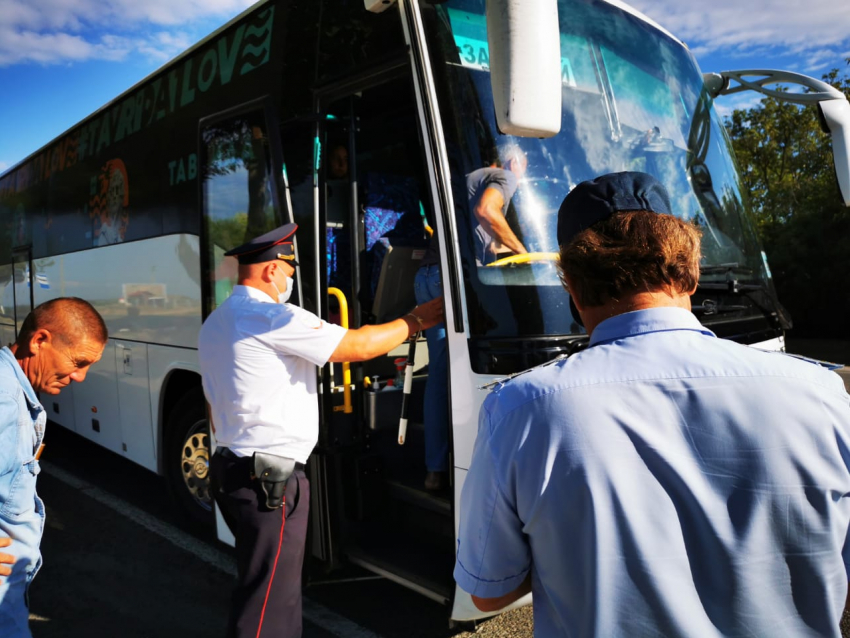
{"points": [[70, 319], [630, 252]]}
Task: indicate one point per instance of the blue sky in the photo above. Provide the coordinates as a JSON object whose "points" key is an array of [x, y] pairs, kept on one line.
{"points": [[60, 60]]}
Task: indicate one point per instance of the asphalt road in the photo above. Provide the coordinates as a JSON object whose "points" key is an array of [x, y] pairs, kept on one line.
{"points": [[118, 563]]}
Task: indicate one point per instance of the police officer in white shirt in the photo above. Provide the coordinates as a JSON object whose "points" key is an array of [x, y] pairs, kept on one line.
{"points": [[258, 357]]}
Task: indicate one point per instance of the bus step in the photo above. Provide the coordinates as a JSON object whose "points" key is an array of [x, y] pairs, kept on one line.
{"points": [[414, 494], [401, 570]]}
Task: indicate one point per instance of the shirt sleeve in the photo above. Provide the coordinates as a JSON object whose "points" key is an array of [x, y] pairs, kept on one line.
{"points": [[493, 556], [9, 415], [503, 181], [298, 332]]}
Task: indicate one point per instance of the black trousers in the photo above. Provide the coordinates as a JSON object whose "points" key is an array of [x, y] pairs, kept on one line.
{"points": [[269, 549]]}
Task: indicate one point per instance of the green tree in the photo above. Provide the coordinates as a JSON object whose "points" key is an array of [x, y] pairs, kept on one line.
{"points": [[786, 164]]}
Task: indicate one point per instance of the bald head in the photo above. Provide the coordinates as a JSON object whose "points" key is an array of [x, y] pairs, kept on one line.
{"points": [[69, 319], [248, 272], [58, 342]]}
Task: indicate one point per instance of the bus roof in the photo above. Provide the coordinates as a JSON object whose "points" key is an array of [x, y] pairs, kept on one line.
{"points": [[172, 62]]}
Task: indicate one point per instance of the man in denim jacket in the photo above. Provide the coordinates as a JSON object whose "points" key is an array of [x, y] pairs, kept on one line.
{"points": [[57, 343]]}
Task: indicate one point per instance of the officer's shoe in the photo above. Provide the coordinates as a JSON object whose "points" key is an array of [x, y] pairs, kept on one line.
{"points": [[435, 481]]}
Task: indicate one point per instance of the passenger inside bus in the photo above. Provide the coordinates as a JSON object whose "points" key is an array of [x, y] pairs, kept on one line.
{"points": [[428, 285], [490, 192]]}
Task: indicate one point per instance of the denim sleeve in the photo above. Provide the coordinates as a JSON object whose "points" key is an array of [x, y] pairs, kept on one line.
{"points": [[9, 417], [493, 554]]}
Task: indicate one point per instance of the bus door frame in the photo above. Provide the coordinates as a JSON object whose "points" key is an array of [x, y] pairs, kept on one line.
{"points": [[322, 540]]}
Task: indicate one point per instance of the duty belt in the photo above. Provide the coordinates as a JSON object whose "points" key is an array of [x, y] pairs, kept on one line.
{"points": [[227, 453], [271, 470]]}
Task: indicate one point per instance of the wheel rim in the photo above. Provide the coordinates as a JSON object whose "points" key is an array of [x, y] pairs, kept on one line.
{"points": [[195, 464]]}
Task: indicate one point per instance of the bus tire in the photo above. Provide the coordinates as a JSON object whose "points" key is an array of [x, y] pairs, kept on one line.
{"points": [[187, 461]]}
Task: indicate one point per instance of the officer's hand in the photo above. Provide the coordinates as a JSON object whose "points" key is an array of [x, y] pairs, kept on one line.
{"points": [[431, 312], [6, 560]]}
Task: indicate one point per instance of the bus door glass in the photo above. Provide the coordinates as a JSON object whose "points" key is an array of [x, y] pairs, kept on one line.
{"points": [[239, 200]]}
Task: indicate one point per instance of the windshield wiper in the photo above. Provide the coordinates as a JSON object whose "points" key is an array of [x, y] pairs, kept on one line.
{"points": [[710, 307], [774, 312], [732, 282]]}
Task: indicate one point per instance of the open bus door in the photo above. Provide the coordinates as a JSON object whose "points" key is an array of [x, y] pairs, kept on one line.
{"points": [[369, 505]]}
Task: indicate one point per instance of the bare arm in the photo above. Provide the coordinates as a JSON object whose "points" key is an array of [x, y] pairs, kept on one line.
{"points": [[495, 604], [488, 212], [369, 342]]}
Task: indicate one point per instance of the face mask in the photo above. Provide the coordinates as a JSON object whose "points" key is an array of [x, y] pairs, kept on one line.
{"points": [[283, 297]]}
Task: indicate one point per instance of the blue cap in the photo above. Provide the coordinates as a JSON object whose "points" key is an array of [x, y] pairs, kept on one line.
{"points": [[598, 199], [276, 244]]}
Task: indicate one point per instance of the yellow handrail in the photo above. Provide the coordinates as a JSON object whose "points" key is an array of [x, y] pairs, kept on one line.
{"points": [[523, 258], [346, 366]]}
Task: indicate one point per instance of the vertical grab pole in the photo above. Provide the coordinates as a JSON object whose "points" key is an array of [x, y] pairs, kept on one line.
{"points": [[408, 384], [346, 366]]}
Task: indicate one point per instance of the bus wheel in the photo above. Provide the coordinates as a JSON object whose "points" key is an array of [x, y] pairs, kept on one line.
{"points": [[188, 460]]}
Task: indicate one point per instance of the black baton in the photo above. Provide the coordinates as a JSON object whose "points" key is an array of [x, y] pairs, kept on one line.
{"points": [[408, 384]]}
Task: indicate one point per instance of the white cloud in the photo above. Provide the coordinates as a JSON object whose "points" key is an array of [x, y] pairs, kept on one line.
{"points": [[4, 165], [742, 101], [803, 28], [62, 31]]}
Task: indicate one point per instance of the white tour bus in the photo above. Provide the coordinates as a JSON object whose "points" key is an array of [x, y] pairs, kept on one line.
{"points": [[133, 208]]}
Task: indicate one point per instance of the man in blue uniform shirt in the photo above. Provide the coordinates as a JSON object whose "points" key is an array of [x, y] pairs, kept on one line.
{"points": [[662, 482]]}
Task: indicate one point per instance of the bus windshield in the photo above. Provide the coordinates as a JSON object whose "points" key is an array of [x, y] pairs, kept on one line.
{"points": [[633, 99]]}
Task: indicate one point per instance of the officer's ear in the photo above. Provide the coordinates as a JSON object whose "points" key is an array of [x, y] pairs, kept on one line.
{"points": [[572, 288], [269, 271]]}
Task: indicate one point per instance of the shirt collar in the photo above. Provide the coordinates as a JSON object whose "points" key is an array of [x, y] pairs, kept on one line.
{"points": [[253, 293], [639, 322], [9, 358]]}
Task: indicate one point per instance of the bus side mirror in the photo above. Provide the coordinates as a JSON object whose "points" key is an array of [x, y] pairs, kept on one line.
{"points": [[832, 105], [836, 116], [525, 66]]}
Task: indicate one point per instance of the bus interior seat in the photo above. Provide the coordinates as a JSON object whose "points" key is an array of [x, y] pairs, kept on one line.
{"points": [[394, 296]]}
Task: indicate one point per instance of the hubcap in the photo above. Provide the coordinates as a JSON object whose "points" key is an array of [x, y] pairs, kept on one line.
{"points": [[195, 464]]}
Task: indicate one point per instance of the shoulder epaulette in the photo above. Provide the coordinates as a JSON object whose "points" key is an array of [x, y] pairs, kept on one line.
{"points": [[829, 365], [503, 380]]}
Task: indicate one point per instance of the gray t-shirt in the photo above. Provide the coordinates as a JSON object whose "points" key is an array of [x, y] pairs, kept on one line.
{"points": [[477, 182]]}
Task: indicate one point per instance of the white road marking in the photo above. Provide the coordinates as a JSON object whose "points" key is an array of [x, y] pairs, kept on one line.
{"points": [[313, 612]]}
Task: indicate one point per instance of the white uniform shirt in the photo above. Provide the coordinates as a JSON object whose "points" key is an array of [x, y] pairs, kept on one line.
{"points": [[258, 365]]}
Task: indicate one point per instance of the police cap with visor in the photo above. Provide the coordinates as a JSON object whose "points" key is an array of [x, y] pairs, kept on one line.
{"points": [[597, 199], [276, 244]]}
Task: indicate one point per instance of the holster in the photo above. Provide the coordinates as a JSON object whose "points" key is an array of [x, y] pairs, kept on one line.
{"points": [[272, 471]]}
